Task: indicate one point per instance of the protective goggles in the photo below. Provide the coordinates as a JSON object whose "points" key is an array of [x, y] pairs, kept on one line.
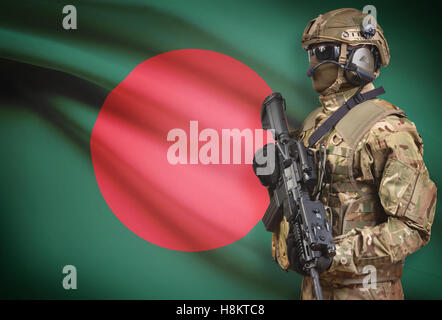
{"points": [[325, 52]]}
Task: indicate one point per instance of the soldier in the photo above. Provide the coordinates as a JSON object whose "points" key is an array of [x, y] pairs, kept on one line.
{"points": [[374, 184]]}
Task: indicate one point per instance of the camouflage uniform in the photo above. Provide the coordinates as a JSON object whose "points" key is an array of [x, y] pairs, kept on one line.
{"points": [[380, 212], [376, 191]]}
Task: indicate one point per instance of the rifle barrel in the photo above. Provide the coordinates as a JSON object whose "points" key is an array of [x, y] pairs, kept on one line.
{"points": [[316, 285]]}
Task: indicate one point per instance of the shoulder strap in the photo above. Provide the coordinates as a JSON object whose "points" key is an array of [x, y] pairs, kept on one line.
{"points": [[357, 122], [356, 99]]}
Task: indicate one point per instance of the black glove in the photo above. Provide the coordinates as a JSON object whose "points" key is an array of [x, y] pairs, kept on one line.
{"points": [[297, 263], [259, 161], [324, 263]]}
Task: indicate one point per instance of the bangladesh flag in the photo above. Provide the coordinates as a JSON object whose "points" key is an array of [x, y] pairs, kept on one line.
{"points": [[127, 130]]}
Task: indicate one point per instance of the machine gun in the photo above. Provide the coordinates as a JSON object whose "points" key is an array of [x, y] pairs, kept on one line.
{"points": [[290, 181]]}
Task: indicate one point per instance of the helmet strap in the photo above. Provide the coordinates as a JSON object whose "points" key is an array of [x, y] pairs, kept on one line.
{"points": [[340, 79]]}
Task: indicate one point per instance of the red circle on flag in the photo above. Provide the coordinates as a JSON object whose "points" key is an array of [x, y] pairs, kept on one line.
{"points": [[183, 206]]}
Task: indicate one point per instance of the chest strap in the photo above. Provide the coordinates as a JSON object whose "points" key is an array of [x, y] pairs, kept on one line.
{"points": [[341, 112]]}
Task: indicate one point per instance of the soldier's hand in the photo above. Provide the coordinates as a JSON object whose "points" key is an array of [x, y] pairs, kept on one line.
{"points": [[323, 264], [297, 263], [265, 165]]}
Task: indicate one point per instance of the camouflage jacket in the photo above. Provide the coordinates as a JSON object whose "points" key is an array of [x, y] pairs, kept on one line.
{"points": [[385, 210]]}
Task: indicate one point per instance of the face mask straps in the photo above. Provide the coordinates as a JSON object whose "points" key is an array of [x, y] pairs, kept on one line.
{"points": [[340, 79]]}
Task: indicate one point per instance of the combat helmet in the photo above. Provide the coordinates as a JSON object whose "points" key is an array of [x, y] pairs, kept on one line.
{"points": [[359, 46], [349, 26]]}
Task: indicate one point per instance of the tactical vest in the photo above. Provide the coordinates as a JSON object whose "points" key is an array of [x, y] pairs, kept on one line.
{"points": [[341, 144], [349, 203]]}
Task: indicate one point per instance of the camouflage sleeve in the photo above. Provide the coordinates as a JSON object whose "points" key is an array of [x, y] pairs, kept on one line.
{"points": [[394, 157]]}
